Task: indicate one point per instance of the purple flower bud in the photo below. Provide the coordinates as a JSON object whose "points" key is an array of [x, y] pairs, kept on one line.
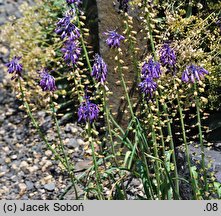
{"points": [[151, 69], [148, 86], [113, 39], [77, 2], [47, 82], [66, 28], [193, 73], [14, 66], [71, 51], [88, 111], [167, 56], [99, 71]]}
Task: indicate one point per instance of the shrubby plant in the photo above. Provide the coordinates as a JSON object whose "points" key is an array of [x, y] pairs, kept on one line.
{"points": [[53, 61]]}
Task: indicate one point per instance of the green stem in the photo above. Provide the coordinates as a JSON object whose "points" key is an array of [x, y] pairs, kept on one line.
{"points": [[161, 131], [124, 86], [151, 36], [164, 107], [98, 180], [172, 148], [201, 138], [107, 114], [82, 41], [185, 141], [157, 169], [69, 169], [35, 123]]}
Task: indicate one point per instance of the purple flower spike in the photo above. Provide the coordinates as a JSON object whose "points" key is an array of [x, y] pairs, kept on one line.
{"points": [[47, 82], [193, 73], [99, 69], [148, 86], [113, 39], [71, 51], [66, 28], [151, 69], [77, 2], [88, 111], [14, 66], [167, 56]]}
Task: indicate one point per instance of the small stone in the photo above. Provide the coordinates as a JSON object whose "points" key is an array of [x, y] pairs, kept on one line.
{"points": [[47, 165], [74, 130], [48, 153], [22, 188], [6, 148], [29, 185], [2, 174], [23, 164], [9, 112], [14, 178], [13, 157], [37, 185], [49, 187], [48, 178], [33, 169], [14, 166], [70, 128], [7, 160], [72, 143], [80, 141]]}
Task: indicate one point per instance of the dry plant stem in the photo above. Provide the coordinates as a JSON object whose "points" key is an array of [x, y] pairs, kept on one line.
{"points": [[35, 123], [201, 138], [69, 169], [97, 174]]}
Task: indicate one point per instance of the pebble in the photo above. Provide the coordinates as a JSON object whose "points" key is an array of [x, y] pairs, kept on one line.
{"points": [[33, 169], [46, 165], [48, 153], [80, 142], [29, 185], [7, 160], [13, 157], [49, 187], [22, 188], [2, 174], [72, 143]]}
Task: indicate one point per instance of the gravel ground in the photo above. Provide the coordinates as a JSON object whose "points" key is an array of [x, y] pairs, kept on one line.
{"points": [[26, 168]]}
